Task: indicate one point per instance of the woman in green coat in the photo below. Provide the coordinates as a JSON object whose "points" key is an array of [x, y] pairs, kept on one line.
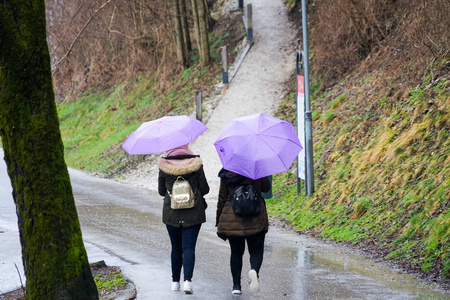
{"points": [[183, 225]]}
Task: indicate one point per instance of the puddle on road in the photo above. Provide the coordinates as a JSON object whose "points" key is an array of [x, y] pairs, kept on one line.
{"points": [[321, 270]]}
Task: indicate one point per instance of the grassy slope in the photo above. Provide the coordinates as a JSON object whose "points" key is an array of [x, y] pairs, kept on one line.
{"points": [[95, 125], [382, 169]]}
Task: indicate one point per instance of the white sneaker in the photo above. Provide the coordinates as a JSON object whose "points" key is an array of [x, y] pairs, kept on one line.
{"points": [[187, 287], [175, 286], [236, 292], [254, 284], [236, 289]]}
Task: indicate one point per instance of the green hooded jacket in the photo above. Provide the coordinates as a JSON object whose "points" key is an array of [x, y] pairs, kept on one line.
{"points": [[191, 168]]}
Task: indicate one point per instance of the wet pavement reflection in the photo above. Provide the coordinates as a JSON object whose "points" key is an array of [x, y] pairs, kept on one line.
{"points": [[125, 223]]}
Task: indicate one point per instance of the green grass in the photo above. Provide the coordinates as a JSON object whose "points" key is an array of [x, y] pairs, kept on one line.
{"points": [[110, 281], [328, 117], [385, 181], [92, 124], [338, 101], [95, 125]]}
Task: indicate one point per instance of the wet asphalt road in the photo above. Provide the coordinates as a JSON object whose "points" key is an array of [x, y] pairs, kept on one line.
{"points": [[126, 222], [122, 225]]}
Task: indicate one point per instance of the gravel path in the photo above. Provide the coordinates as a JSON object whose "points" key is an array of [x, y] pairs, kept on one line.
{"points": [[256, 87]]}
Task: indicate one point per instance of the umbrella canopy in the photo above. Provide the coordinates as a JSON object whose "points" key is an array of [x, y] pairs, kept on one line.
{"points": [[258, 145], [163, 134]]}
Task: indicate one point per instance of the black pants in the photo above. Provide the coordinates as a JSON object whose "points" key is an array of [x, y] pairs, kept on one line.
{"points": [[255, 245]]}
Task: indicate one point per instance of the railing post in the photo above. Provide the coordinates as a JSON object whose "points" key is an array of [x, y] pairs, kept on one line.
{"points": [[249, 22], [224, 64], [198, 101]]}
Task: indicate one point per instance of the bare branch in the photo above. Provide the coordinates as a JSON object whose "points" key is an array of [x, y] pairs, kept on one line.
{"points": [[127, 36], [58, 64]]}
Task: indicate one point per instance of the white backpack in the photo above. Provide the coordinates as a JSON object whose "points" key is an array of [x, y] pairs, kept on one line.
{"points": [[182, 196]]}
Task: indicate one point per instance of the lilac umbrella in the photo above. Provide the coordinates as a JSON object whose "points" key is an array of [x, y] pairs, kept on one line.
{"points": [[258, 145], [163, 134]]}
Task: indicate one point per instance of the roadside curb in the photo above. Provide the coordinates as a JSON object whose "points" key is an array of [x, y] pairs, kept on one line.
{"points": [[128, 293]]}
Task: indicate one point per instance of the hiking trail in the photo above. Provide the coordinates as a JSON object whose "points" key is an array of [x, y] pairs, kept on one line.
{"points": [[257, 87]]}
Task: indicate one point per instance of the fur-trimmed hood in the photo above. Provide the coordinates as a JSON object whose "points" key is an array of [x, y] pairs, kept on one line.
{"points": [[231, 179], [191, 168], [174, 166]]}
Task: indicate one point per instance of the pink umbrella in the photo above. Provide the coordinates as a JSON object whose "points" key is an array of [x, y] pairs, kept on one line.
{"points": [[163, 134], [258, 145]]}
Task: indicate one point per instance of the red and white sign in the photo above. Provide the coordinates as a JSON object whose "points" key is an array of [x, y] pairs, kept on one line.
{"points": [[300, 85], [301, 125]]}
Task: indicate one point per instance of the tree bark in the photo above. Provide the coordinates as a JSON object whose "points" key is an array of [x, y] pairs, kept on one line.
{"points": [[196, 24], [203, 29], [209, 19], [179, 36], [54, 258], [184, 23]]}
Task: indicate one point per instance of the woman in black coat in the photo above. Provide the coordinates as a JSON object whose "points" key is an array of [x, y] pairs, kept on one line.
{"points": [[183, 225], [239, 229]]}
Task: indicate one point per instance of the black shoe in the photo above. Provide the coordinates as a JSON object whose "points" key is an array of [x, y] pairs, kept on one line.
{"points": [[236, 289]]}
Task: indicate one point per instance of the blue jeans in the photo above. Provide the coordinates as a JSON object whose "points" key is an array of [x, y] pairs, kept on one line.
{"points": [[183, 240]]}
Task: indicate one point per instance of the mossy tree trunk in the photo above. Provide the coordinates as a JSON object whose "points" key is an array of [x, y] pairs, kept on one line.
{"points": [[53, 253]]}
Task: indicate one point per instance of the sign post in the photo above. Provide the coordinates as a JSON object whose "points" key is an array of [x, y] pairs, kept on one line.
{"points": [[309, 186], [304, 115]]}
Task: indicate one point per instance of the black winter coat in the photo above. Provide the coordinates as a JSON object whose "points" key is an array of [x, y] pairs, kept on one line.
{"points": [[230, 224], [191, 168]]}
